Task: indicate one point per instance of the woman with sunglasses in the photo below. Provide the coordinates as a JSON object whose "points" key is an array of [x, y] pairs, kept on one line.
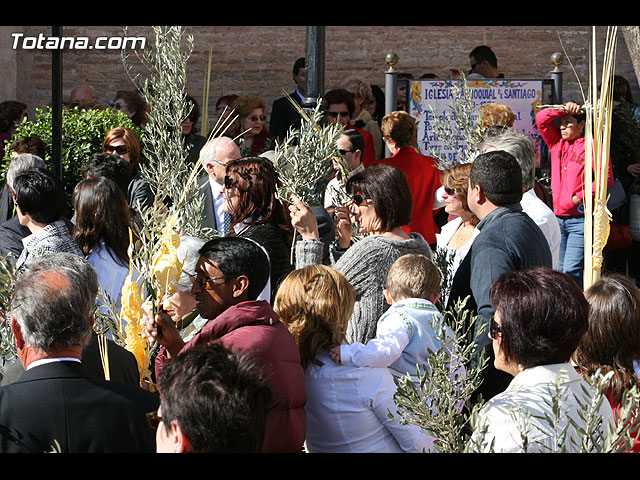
{"points": [[257, 214], [540, 317], [380, 205], [250, 127], [456, 236], [12, 113], [125, 142]]}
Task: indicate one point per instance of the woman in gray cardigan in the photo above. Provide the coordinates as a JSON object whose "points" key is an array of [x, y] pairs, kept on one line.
{"points": [[381, 205]]}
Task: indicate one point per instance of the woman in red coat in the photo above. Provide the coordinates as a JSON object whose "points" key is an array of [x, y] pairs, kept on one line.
{"points": [[400, 131]]}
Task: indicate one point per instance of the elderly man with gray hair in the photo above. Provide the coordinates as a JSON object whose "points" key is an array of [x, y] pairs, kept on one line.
{"points": [[215, 156], [56, 405], [520, 145]]}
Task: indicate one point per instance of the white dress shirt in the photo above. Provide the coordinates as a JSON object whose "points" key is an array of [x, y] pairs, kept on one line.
{"points": [[392, 336], [336, 185], [546, 220], [348, 411], [218, 203]]}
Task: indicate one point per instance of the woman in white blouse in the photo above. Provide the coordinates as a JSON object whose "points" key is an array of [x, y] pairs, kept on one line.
{"points": [[456, 237], [540, 318], [347, 406]]}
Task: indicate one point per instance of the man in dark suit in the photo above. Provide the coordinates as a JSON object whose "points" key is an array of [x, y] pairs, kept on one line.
{"points": [[214, 157], [283, 114], [56, 405], [508, 240]]}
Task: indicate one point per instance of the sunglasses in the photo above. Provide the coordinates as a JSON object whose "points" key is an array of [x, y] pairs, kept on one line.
{"points": [[229, 182], [204, 282], [153, 420], [360, 200], [474, 65], [344, 152], [451, 192], [255, 118], [119, 149], [335, 114], [494, 328]]}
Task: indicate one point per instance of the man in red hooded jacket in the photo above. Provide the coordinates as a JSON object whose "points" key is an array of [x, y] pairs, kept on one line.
{"points": [[230, 274]]}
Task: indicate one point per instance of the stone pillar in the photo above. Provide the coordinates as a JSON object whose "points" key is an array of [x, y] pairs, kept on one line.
{"points": [[556, 76]]}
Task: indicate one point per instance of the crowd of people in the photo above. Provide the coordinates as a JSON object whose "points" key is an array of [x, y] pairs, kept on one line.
{"points": [[288, 331]]}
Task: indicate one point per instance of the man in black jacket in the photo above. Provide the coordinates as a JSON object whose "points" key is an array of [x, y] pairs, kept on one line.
{"points": [[56, 405], [508, 240], [283, 114]]}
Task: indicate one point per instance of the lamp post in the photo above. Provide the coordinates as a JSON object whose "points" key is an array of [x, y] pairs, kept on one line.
{"points": [[391, 81], [390, 89], [56, 106], [314, 64]]}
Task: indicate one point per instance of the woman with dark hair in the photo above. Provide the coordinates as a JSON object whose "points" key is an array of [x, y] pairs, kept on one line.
{"points": [[11, 114], [102, 232], [347, 406], [132, 104], [540, 318], [375, 107], [250, 197], [223, 110], [192, 139], [612, 341], [381, 206], [400, 133], [125, 142]]}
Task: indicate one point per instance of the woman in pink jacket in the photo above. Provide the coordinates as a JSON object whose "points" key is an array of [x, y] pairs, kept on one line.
{"points": [[565, 139]]}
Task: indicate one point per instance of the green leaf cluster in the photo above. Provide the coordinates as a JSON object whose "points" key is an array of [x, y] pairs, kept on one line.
{"points": [[83, 132]]}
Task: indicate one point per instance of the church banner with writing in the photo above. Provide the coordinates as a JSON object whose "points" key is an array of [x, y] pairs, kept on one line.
{"points": [[521, 96]]}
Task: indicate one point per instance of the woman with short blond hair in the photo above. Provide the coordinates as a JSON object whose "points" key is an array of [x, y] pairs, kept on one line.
{"points": [[347, 407]]}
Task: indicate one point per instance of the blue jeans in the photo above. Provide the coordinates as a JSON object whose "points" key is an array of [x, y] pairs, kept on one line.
{"points": [[572, 247]]}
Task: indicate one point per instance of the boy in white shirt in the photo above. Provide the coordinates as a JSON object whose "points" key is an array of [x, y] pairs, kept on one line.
{"points": [[405, 332]]}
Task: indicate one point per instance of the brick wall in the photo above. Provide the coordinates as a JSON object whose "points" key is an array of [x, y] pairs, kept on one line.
{"points": [[258, 60]]}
